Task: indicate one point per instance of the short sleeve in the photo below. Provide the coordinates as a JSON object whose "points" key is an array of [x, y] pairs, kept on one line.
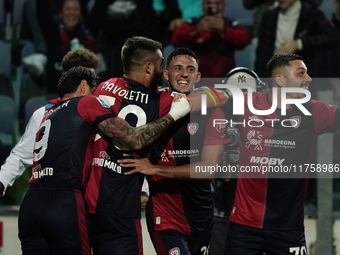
{"points": [[94, 110], [326, 117], [215, 132], [165, 103]]}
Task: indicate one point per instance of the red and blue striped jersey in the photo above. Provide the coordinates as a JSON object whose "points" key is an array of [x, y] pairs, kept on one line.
{"points": [[270, 188], [65, 140], [109, 191]]}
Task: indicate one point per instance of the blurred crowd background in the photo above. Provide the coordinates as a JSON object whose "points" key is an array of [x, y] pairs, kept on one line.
{"points": [[36, 34]]}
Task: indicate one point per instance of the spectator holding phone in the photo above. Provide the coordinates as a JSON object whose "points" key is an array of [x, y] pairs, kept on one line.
{"points": [[213, 37]]}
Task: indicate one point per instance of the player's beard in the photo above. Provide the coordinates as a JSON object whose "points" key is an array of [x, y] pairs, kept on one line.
{"points": [[155, 81]]}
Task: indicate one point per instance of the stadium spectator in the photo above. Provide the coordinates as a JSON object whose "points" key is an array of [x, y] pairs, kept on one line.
{"points": [[295, 27], [213, 37], [170, 17], [334, 54], [114, 21], [262, 6], [49, 35], [335, 19]]}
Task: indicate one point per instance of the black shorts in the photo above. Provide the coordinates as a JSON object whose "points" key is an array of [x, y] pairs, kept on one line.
{"points": [[218, 236], [116, 235], [173, 242], [244, 240], [54, 222]]}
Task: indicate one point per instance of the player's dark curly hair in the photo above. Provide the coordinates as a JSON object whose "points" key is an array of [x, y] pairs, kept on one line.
{"points": [[80, 57], [70, 80], [280, 60], [138, 50], [180, 52]]}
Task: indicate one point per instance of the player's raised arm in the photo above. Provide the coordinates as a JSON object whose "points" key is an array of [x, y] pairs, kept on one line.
{"points": [[134, 138], [216, 101]]}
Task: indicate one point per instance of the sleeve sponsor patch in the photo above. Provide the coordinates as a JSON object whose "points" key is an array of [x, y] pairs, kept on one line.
{"points": [[103, 103]]}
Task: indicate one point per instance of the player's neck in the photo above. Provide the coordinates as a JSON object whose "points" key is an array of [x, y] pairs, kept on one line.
{"points": [[67, 96], [141, 78]]}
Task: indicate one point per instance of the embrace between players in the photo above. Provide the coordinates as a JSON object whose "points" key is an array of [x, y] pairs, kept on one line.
{"points": [[83, 194]]}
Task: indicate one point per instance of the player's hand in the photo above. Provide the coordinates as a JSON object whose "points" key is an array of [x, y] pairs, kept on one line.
{"points": [[289, 46], [142, 165], [175, 23], [178, 96], [203, 25], [163, 89], [179, 107], [144, 200]]}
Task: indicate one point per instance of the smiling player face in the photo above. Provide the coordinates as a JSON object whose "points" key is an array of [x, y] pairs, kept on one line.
{"points": [[297, 77], [182, 74]]}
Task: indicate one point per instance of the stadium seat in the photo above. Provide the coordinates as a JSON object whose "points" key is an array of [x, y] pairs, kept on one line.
{"points": [[36, 102], [17, 11], [5, 86], [6, 58], [8, 115], [28, 90], [2, 18], [236, 11], [246, 57]]}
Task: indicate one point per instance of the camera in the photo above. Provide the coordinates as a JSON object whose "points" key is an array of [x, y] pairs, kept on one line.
{"points": [[239, 77], [212, 10], [231, 154]]}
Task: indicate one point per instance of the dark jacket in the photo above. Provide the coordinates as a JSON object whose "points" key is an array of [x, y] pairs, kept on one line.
{"points": [[142, 21], [313, 29]]}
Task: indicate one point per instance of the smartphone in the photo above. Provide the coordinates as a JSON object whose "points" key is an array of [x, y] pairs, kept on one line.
{"points": [[212, 10]]}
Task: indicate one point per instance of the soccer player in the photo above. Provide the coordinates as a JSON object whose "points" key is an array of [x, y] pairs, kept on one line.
{"points": [[53, 215], [21, 155], [267, 215], [180, 209], [114, 198]]}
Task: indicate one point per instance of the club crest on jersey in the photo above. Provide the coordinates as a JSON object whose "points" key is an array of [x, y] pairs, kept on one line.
{"points": [[103, 154], [192, 128], [254, 138], [329, 106], [295, 121], [221, 127], [254, 118], [175, 251]]}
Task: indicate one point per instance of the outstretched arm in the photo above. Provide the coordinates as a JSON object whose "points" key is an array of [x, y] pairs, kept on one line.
{"points": [[214, 101], [21, 155], [133, 138], [211, 156], [127, 137]]}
